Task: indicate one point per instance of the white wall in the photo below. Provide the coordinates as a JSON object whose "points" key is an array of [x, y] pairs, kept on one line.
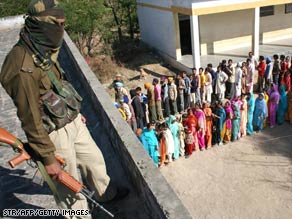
{"points": [[276, 27], [220, 31], [225, 31], [157, 29]]}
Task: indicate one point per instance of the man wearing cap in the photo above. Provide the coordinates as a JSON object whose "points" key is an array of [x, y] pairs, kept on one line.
{"points": [[30, 72], [268, 72]]}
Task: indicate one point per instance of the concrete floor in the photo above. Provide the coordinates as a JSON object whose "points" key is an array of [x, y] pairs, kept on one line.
{"points": [[247, 179], [268, 49]]}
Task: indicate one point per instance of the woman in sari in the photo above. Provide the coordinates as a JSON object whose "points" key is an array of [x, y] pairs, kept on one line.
{"points": [[151, 142], [208, 115], [191, 123], [260, 112], [287, 79], [173, 126], [250, 110], [274, 98], [200, 115], [289, 94], [162, 145], [189, 142], [283, 105], [266, 98], [181, 136], [235, 121], [243, 115], [168, 141], [228, 122], [220, 119]]}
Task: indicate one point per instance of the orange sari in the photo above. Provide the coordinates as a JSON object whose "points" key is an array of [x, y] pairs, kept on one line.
{"points": [[208, 135], [162, 150]]}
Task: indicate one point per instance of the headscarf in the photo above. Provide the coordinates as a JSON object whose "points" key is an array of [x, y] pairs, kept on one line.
{"points": [[42, 35], [228, 108], [139, 131], [274, 95], [147, 85], [170, 120], [119, 84], [268, 59], [260, 104]]}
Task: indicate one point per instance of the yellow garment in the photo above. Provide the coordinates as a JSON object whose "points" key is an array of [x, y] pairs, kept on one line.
{"points": [[266, 96], [223, 131], [203, 79], [123, 113]]}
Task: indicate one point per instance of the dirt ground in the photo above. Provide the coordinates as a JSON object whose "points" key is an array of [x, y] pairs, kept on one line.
{"points": [[247, 179], [152, 64]]}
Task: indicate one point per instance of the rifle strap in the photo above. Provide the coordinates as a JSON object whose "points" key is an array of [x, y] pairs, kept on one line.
{"points": [[51, 184], [57, 84]]}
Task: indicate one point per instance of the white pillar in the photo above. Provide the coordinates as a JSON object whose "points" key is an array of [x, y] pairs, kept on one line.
{"points": [[256, 32], [177, 36], [195, 34]]}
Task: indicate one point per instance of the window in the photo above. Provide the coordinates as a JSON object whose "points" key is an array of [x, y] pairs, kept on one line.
{"points": [[288, 8], [267, 11]]}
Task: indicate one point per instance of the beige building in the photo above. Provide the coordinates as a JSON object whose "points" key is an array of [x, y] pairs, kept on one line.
{"points": [[179, 28]]}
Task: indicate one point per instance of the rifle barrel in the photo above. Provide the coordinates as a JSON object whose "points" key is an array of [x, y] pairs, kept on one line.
{"points": [[97, 204]]}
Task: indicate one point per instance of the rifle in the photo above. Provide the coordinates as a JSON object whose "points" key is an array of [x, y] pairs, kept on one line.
{"points": [[63, 177]]}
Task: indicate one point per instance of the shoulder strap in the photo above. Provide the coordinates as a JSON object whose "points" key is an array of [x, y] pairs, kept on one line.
{"points": [[50, 183], [56, 84]]}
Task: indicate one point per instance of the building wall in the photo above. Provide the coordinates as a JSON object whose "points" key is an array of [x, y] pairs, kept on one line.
{"points": [[276, 27], [157, 29], [221, 31], [230, 30]]}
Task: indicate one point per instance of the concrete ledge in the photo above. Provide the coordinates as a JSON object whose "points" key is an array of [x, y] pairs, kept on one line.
{"points": [[159, 198], [11, 22]]}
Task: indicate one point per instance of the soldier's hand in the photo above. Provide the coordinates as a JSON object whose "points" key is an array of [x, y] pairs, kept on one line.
{"points": [[83, 119], [53, 169]]}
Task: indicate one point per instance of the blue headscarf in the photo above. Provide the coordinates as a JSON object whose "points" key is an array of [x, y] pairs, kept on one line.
{"points": [[260, 104]]}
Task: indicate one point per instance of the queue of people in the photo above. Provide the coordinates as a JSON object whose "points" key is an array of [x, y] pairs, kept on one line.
{"points": [[178, 116]]}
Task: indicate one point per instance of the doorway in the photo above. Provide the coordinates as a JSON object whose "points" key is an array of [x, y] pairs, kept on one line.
{"points": [[185, 34]]}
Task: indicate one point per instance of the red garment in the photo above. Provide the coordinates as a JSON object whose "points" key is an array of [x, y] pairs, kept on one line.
{"points": [[191, 123], [189, 142], [287, 79], [261, 68], [284, 66]]}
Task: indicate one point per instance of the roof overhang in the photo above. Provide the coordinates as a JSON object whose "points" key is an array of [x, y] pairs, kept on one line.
{"points": [[212, 7]]}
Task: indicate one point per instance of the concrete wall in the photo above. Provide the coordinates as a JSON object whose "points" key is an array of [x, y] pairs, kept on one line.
{"points": [[159, 200], [276, 27], [230, 30], [157, 29], [219, 32]]}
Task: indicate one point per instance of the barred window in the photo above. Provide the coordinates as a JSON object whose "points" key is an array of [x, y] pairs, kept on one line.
{"points": [[288, 8], [266, 11]]}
